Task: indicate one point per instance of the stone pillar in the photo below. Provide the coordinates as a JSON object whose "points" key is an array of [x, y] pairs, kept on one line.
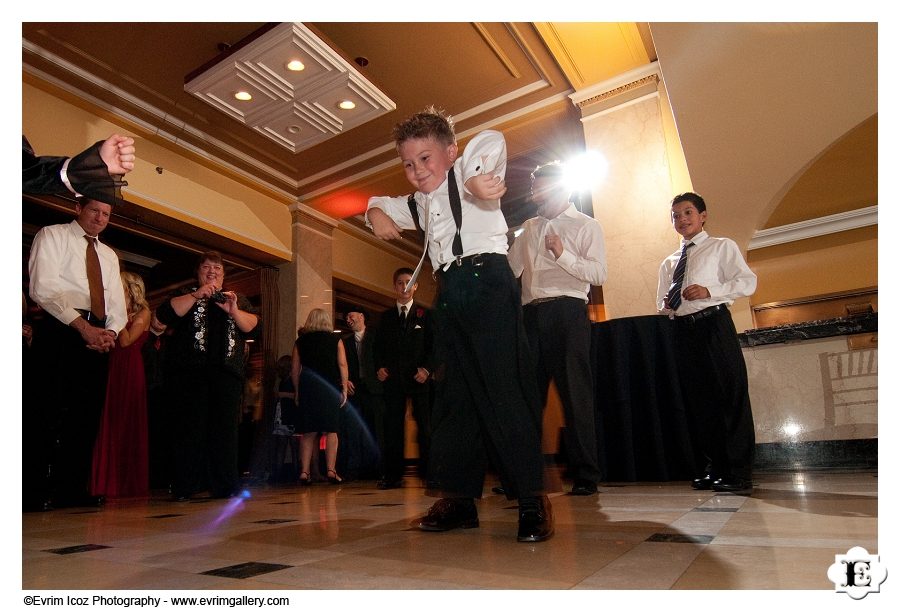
{"points": [[305, 283], [626, 119]]}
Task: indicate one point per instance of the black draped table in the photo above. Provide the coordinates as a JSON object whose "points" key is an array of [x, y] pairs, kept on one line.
{"points": [[641, 426]]}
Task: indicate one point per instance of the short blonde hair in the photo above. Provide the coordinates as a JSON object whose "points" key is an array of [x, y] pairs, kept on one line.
{"points": [[134, 289], [318, 320]]}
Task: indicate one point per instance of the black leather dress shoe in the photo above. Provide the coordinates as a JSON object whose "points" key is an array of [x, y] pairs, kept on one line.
{"points": [[583, 487], [384, 484], [703, 484], [450, 513], [535, 519], [732, 484]]}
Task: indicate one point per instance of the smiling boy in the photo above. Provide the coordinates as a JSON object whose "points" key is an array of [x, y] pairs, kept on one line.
{"points": [[697, 283], [485, 396]]}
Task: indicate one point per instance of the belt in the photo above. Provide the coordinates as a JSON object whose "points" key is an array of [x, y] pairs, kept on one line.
{"points": [[474, 261], [91, 318], [549, 299], [701, 314]]}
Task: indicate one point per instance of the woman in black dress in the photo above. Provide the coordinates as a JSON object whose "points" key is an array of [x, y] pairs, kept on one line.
{"points": [[319, 373]]}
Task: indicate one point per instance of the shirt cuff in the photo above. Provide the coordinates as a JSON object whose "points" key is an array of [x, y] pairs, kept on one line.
{"points": [[64, 177]]}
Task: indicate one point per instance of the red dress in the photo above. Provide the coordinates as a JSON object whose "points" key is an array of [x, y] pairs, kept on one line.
{"points": [[121, 463]]}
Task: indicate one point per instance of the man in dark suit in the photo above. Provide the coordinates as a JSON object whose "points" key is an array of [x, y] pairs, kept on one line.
{"points": [[359, 454], [402, 351], [95, 173]]}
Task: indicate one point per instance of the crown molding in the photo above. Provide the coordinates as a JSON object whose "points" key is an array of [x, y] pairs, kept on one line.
{"points": [[618, 84], [812, 228]]}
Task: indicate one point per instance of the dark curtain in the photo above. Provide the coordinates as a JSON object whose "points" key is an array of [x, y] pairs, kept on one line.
{"points": [[642, 426]]}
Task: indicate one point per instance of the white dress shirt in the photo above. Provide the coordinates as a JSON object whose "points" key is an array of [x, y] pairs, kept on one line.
{"points": [[582, 263], [714, 263], [483, 225], [58, 275]]}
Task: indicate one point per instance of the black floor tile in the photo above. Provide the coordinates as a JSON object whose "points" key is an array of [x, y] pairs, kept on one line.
{"points": [[246, 570], [69, 550]]}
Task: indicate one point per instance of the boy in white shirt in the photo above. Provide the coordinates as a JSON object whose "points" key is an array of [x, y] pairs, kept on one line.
{"points": [[486, 400]]}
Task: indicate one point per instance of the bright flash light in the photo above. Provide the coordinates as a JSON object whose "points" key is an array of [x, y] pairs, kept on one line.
{"points": [[791, 429], [586, 171]]}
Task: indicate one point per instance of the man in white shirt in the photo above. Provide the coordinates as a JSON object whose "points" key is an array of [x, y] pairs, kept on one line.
{"points": [[559, 255], [697, 283], [70, 348]]}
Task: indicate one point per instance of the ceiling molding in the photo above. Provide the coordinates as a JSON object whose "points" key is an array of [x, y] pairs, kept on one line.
{"points": [[620, 82], [812, 228], [495, 48]]}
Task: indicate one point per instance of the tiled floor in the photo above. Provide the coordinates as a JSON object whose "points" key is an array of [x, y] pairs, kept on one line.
{"points": [[631, 536]]}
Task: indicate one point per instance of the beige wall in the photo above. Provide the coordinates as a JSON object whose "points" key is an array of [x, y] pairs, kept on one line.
{"points": [[816, 266], [360, 261], [186, 190]]}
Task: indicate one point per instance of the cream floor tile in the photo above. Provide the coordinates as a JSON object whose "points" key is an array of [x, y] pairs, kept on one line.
{"points": [[742, 567], [785, 525], [649, 565]]}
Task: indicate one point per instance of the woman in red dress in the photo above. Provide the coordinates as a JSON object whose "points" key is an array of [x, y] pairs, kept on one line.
{"points": [[120, 454]]}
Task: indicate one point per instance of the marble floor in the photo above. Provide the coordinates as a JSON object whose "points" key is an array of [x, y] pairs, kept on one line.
{"points": [[637, 536]]}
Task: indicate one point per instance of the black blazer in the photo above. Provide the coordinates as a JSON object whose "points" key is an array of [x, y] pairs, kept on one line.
{"points": [[404, 349], [364, 373]]}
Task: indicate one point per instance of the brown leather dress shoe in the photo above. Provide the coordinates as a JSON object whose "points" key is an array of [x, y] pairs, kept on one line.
{"points": [[450, 513], [535, 519]]}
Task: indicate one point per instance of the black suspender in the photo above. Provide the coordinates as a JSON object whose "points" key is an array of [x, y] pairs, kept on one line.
{"points": [[455, 208]]}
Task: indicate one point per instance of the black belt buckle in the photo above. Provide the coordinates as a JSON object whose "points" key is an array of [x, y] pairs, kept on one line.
{"points": [[476, 261]]}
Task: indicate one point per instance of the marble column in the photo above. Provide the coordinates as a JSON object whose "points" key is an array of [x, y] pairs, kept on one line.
{"points": [[305, 283], [625, 120]]}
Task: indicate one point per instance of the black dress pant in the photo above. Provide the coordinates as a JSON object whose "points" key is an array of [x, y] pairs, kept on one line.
{"points": [[205, 405], [713, 378], [486, 399], [61, 414], [559, 335], [393, 430]]}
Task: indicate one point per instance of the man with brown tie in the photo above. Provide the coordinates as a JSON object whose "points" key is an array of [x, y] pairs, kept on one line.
{"points": [[75, 279]]}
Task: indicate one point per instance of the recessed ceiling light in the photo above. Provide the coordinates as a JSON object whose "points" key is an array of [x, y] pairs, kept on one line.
{"points": [[243, 96], [347, 104], [294, 129], [295, 65]]}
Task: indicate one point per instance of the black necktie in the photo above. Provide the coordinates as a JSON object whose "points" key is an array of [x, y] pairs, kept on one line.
{"points": [[456, 209], [403, 316], [674, 294], [95, 278]]}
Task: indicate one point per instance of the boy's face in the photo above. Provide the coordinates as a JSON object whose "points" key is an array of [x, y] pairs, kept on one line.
{"points": [[686, 220], [404, 296], [426, 161]]}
